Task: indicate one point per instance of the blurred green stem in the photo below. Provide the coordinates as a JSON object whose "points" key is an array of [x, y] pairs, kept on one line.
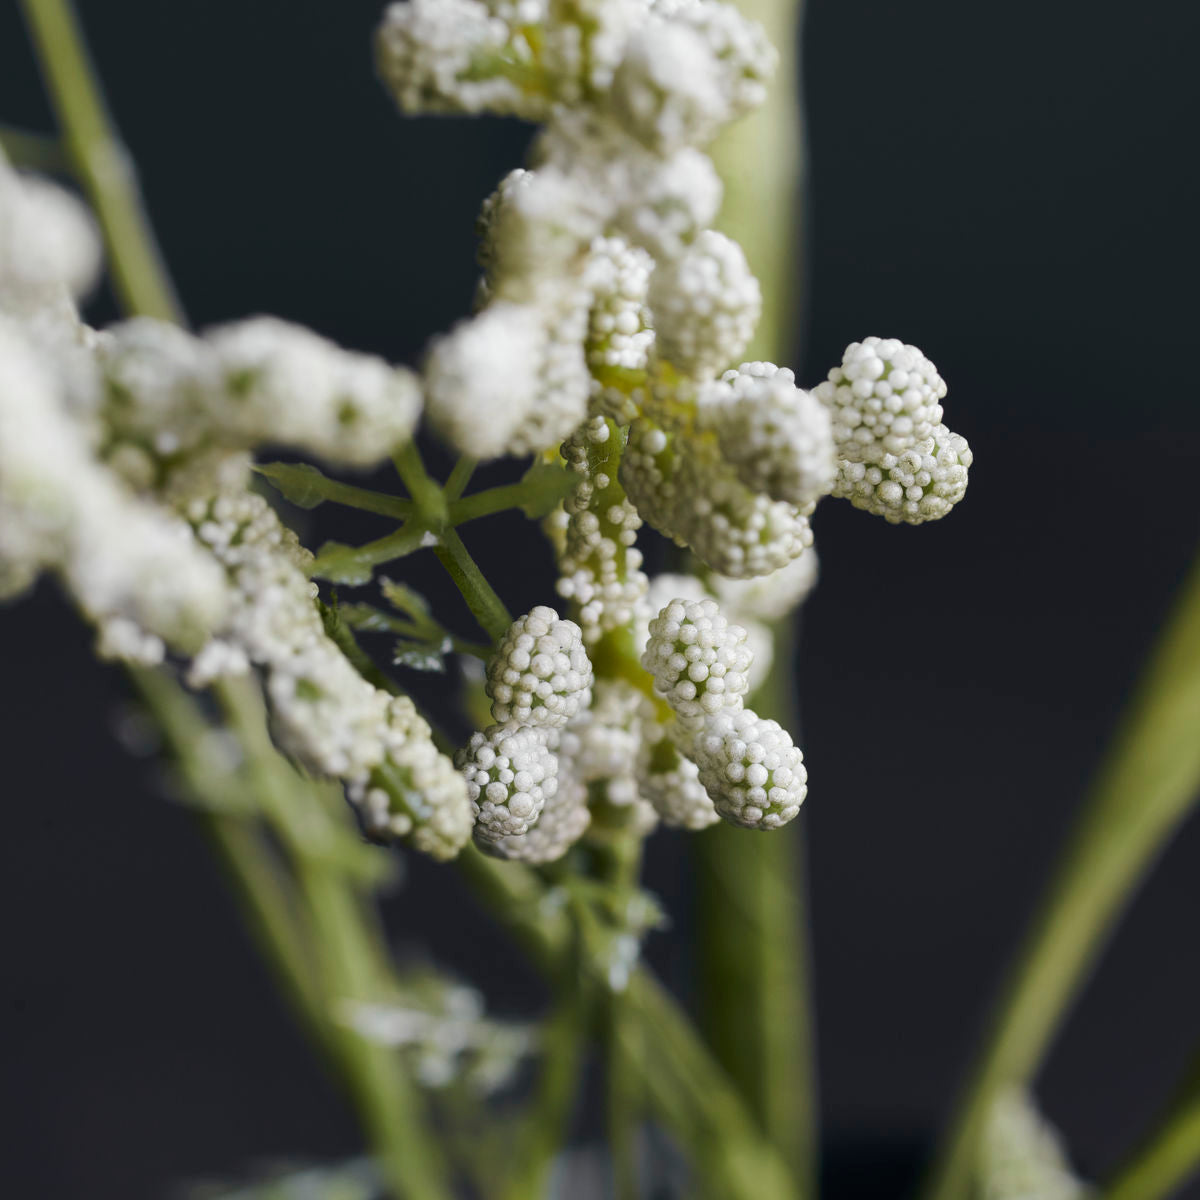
{"points": [[100, 160], [753, 955], [1147, 785], [34, 151]]}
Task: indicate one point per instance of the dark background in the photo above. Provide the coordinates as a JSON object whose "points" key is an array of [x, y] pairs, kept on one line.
{"points": [[1010, 187]]}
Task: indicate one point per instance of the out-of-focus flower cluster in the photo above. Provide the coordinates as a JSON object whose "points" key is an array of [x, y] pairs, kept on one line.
{"points": [[610, 325]]}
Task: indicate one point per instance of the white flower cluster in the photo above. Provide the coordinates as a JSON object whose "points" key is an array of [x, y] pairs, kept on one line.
{"points": [[257, 381], [749, 767], [699, 661], [540, 674], [122, 469], [896, 458], [599, 565], [510, 773], [325, 713], [1022, 1156]]}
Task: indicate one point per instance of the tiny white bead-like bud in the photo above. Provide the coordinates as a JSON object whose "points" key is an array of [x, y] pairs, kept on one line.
{"points": [[671, 783], [922, 484], [699, 661], [705, 305], [750, 768], [540, 674], [883, 399], [777, 436], [510, 773]]}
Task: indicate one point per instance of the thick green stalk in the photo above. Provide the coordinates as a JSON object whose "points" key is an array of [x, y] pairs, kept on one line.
{"points": [[101, 162], [1147, 784], [753, 955]]}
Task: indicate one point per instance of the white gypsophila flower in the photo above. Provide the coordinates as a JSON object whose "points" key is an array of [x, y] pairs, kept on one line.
{"points": [[768, 597], [667, 90], [510, 773], [745, 58], [599, 565], [619, 337], [563, 383], [564, 820], [450, 56], [324, 712], [682, 487], [670, 782], [583, 41], [777, 436], [883, 399], [119, 556], [607, 736], [1022, 1156], [750, 768], [671, 202], [218, 659], [922, 484], [663, 588], [482, 377], [699, 661], [535, 228], [540, 673], [280, 382], [705, 304], [122, 640], [49, 243]]}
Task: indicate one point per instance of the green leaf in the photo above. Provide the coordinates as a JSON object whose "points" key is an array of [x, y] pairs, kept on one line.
{"points": [[298, 483], [408, 601], [422, 656], [340, 563], [547, 486]]}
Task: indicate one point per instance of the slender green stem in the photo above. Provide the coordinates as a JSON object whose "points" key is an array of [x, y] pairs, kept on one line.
{"points": [[306, 486], [1146, 786], [750, 888], [101, 162], [429, 498], [460, 476], [1168, 1156], [685, 1087], [485, 605], [33, 150], [484, 504]]}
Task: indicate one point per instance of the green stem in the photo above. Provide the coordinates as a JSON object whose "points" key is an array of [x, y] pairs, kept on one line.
{"points": [[35, 151], [484, 504], [685, 1087], [352, 565], [750, 888], [485, 605], [1168, 1157], [429, 498], [305, 486], [460, 476], [101, 162], [1146, 786], [349, 963]]}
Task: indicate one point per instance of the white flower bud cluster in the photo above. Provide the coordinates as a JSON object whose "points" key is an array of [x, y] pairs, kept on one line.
{"points": [[768, 597], [683, 487], [510, 774], [884, 399], [619, 339], [776, 436], [671, 783], [540, 674], [324, 712], [699, 661], [255, 381], [896, 458], [922, 484], [749, 767], [564, 820], [599, 565], [49, 244], [131, 566], [706, 305]]}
